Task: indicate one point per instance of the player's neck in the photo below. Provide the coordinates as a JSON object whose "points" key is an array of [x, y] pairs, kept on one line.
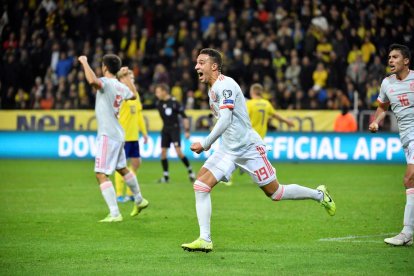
{"points": [[109, 75], [403, 74], [214, 77]]}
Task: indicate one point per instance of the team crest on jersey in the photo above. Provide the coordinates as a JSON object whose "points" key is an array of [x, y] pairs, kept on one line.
{"points": [[412, 86], [227, 93]]}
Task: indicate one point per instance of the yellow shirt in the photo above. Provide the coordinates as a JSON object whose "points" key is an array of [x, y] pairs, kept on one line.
{"points": [[260, 111], [132, 120], [324, 49], [320, 77], [367, 50], [352, 55]]}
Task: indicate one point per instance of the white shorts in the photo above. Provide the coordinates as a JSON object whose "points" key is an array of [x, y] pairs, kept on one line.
{"points": [[254, 161], [409, 153], [110, 155]]}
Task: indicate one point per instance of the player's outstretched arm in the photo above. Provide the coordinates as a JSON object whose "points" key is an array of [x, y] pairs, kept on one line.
{"points": [[89, 74], [378, 117], [284, 120], [125, 79]]}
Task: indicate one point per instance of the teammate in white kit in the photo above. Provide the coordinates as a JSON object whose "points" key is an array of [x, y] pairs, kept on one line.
{"points": [[110, 154], [241, 146], [397, 90]]}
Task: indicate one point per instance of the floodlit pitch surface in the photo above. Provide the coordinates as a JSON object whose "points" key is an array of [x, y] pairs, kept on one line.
{"points": [[49, 212]]}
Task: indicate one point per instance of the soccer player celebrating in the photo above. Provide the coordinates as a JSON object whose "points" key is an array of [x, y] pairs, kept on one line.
{"points": [[170, 111], [110, 153], [132, 121], [397, 90], [241, 146], [261, 111]]}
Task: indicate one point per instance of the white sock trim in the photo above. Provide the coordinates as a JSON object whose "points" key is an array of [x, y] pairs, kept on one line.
{"points": [[279, 193], [105, 185]]}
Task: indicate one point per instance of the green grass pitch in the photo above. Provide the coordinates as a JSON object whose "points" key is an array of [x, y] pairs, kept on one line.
{"points": [[49, 212]]}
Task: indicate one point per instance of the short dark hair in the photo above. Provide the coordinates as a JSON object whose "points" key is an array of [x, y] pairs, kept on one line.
{"points": [[113, 62], [405, 51], [163, 86], [214, 55]]}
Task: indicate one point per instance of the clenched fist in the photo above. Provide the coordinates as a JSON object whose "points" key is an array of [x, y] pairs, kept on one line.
{"points": [[373, 127], [83, 59]]}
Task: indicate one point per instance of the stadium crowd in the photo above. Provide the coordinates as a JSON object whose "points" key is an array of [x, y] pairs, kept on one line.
{"points": [[308, 54]]}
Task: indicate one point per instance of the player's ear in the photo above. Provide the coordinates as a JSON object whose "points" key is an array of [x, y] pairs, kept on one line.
{"points": [[214, 66], [406, 61]]}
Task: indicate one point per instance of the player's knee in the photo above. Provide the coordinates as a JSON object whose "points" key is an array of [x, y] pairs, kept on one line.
{"points": [[123, 171], [201, 187], [101, 177]]}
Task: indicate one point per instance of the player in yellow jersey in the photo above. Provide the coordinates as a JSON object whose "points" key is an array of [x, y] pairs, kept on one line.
{"points": [[132, 121], [261, 111]]}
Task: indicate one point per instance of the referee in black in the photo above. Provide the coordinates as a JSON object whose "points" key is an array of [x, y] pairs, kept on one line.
{"points": [[170, 111]]}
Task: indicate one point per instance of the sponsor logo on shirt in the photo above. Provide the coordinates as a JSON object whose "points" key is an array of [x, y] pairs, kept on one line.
{"points": [[228, 102]]}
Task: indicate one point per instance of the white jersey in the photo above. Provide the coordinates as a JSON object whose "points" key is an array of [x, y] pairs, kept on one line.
{"points": [[108, 101], [400, 95], [226, 94]]}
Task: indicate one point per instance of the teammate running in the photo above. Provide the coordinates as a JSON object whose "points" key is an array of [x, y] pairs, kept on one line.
{"points": [[397, 90]]}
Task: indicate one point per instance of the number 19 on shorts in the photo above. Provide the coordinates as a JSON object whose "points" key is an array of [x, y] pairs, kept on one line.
{"points": [[262, 174]]}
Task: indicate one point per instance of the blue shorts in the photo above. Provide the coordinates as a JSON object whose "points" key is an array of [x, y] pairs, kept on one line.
{"points": [[132, 149]]}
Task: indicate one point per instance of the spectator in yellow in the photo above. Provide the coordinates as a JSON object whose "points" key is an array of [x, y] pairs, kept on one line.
{"points": [[352, 55], [261, 110], [319, 76], [132, 121], [368, 49], [324, 49]]}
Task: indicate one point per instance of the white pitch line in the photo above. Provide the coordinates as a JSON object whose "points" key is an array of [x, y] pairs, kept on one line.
{"points": [[353, 238]]}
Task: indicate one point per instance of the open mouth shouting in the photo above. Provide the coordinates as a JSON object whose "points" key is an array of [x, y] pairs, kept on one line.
{"points": [[200, 75]]}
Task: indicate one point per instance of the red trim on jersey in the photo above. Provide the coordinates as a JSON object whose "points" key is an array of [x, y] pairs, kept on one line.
{"points": [[231, 106], [262, 153], [221, 77], [381, 102], [410, 191]]}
